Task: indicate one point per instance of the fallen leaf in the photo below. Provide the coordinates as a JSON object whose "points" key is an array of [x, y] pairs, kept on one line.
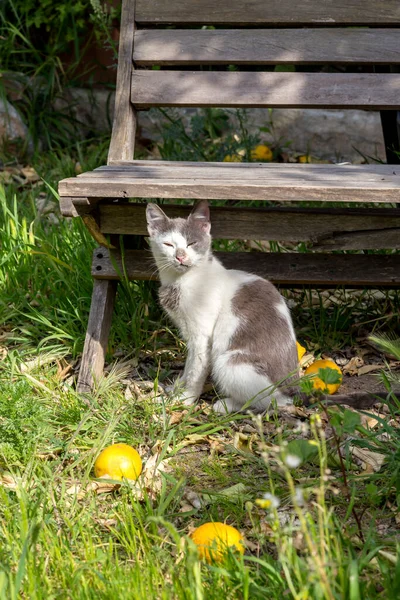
{"points": [[353, 366], [30, 174], [8, 481], [177, 417], [368, 368], [370, 461], [192, 439], [243, 442]]}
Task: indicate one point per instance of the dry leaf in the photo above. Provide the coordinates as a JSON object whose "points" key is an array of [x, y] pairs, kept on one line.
{"points": [[353, 366], [9, 482], [30, 174], [370, 461], [243, 442], [368, 368], [177, 417], [306, 360], [128, 394], [107, 523], [192, 439]]}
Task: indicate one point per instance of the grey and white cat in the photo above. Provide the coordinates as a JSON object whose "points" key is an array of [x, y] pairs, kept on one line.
{"points": [[236, 325]]}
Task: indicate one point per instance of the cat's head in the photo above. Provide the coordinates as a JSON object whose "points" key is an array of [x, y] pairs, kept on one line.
{"points": [[180, 243]]}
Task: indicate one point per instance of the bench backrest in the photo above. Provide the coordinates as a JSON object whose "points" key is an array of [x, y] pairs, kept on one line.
{"points": [[192, 64]]}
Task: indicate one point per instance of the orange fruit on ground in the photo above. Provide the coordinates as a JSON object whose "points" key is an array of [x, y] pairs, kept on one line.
{"points": [[118, 461], [232, 158], [318, 384], [300, 351], [262, 152], [214, 539]]}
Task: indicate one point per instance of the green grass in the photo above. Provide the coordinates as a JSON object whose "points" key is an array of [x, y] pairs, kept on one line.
{"points": [[57, 544]]}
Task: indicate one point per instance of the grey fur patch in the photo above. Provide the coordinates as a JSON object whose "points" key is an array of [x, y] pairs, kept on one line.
{"points": [[263, 338], [169, 296]]}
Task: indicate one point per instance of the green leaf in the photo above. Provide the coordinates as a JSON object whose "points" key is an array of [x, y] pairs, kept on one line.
{"points": [[350, 421], [304, 449], [329, 375]]}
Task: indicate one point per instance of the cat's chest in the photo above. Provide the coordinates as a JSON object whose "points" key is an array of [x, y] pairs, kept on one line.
{"points": [[170, 297]]}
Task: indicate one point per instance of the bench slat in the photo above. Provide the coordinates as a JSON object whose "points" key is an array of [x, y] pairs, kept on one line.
{"points": [[264, 47], [326, 228], [268, 12], [285, 269], [261, 90], [273, 182]]}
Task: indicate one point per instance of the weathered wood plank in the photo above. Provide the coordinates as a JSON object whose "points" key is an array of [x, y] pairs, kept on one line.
{"points": [[272, 182], [323, 270], [124, 126], [241, 171], [271, 12], [265, 47], [125, 165], [97, 333], [260, 90], [329, 228]]}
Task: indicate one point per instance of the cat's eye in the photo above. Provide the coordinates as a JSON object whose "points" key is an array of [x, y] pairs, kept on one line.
{"points": [[168, 244], [191, 244]]}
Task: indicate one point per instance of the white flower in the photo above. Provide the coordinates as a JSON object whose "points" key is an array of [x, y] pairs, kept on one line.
{"points": [[292, 461], [268, 501], [299, 497]]}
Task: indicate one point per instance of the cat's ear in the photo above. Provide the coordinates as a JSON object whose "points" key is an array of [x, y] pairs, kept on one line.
{"points": [[201, 215], [156, 219]]}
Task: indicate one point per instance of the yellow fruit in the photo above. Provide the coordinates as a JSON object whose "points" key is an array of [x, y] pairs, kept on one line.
{"points": [[318, 384], [262, 152], [214, 539], [232, 158], [304, 158], [118, 461], [300, 351]]}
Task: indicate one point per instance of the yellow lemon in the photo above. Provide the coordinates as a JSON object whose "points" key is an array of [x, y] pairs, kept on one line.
{"points": [[214, 539], [300, 351], [262, 152], [304, 158], [118, 461], [232, 158], [318, 384]]}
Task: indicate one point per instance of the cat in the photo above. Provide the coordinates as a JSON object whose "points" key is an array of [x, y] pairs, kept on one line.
{"points": [[236, 325]]}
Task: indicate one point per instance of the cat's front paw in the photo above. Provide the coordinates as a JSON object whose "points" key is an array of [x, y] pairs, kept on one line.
{"points": [[224, 406], [175, 388], [187, 397]]}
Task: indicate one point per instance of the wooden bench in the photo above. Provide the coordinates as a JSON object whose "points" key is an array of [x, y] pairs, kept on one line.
{"points": [[362, 35]]}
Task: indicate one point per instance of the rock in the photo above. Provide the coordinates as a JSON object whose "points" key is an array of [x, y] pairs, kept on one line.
{"points": [[12, 127], [330, 134]]}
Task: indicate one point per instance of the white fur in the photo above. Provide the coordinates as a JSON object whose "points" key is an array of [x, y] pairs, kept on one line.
{"points": [[283, 309]]}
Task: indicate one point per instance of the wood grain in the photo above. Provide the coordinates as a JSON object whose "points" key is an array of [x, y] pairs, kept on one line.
{"points": [[260, 90], [124, 126], [266, 47], [272, 182], [271, 12], [323, 270], [97, 333], [325, 228]]}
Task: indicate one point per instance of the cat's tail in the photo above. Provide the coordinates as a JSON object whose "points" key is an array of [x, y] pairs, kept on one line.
{"points": [[358, 400]]}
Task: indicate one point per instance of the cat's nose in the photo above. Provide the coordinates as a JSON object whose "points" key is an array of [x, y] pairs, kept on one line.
{"points": [[180, 255]]}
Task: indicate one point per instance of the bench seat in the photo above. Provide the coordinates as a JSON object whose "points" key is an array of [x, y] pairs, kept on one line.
{"points": [[238, 181]]}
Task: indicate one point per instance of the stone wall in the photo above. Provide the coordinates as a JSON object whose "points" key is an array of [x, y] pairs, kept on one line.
{"points": [[337, 135]]}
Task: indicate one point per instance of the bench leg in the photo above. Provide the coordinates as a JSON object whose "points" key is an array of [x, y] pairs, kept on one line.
{"points": [[97, 333]]}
